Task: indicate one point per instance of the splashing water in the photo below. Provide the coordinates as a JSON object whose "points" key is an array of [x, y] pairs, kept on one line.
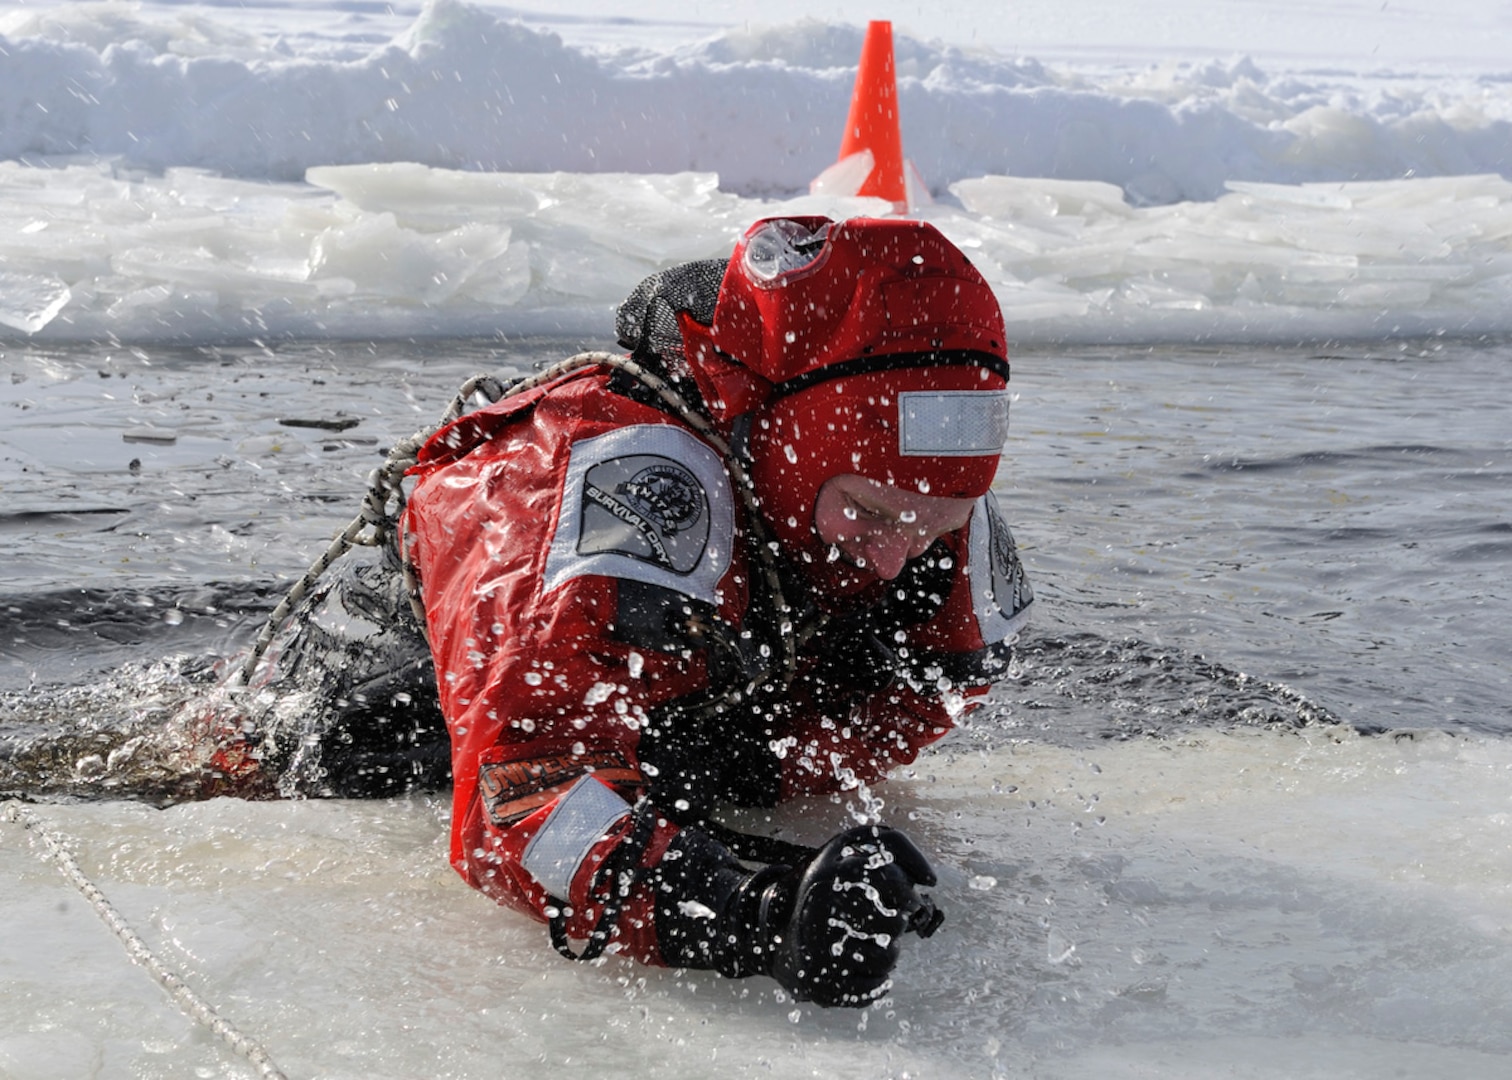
{"points": [[126, 736]]}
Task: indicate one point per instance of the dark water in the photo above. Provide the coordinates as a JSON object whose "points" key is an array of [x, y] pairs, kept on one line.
{"points": [[1336, 519], [1217, 536]]}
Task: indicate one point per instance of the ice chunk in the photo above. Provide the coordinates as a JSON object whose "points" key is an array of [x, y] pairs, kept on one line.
{"points": [[419, 195], [385, 259], [845, 176], [31, 301], [1009, 196], [1331, 196], [154, 435]]}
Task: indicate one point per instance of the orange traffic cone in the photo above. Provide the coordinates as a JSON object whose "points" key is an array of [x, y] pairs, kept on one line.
{"points": [[871, 152]]}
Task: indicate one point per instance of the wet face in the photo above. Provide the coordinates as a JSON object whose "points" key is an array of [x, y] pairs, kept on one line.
{"points": [[878, 528]]}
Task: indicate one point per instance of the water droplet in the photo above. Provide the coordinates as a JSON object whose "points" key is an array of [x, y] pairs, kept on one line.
{"points": [[533, 678], [983, 882], [598, 693], [792, 454]]}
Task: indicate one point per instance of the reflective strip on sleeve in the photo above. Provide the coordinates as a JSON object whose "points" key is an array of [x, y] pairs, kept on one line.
{"points": [[580, 819]]}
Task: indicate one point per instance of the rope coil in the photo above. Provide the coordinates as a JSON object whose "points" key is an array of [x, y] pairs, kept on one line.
{"points": [[190, 1003]]}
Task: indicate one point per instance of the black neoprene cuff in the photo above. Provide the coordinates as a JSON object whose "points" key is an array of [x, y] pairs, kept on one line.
{"points": [[713, 913]]}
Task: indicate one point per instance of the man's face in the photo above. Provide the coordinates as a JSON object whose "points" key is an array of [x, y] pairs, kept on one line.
{"points": [[878, 528]]}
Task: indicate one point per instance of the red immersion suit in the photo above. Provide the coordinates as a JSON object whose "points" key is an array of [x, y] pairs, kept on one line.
{"points": [[586, 564]]}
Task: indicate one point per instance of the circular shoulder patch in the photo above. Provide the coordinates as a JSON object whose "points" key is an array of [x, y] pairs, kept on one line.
{"points": [[647, 507], [650, 503]]}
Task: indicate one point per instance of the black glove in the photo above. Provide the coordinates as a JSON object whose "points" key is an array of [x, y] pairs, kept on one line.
{"points": [[829, 930]]}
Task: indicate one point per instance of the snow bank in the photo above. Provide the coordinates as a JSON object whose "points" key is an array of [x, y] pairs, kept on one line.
{"points": [[464, 88]]}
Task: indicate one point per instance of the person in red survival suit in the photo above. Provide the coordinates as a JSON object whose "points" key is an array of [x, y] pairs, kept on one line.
{"points": [[630, 627]]}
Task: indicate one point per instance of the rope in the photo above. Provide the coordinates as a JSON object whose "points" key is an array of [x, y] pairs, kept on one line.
{"points": [[375, 523], [190, 1003]]}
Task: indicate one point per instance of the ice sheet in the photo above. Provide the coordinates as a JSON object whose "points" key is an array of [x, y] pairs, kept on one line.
{"points": [[97, 252]]}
